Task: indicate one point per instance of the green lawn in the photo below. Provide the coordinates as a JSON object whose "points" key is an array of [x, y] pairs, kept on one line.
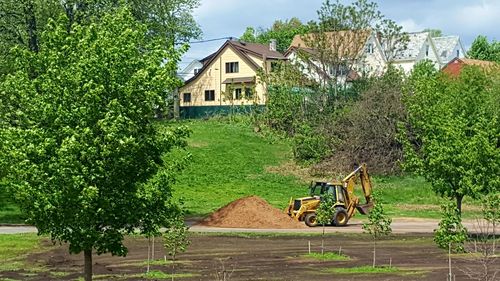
{"points": [[15, 247], [228, 162]]}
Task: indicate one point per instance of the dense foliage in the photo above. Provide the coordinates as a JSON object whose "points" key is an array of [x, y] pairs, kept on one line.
{"points": [[452, 131], [81, 133], [481, 49], [450, 234], [281, 31]]}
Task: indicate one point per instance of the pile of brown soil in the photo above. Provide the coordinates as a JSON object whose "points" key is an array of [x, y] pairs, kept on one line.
{"points": [[250, 212]]}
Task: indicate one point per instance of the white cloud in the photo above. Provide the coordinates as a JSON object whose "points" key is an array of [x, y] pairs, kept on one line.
{"points": [[479, 17], [409, 25]]}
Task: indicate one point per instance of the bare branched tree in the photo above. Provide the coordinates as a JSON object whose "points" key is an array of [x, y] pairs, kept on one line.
{"points": [[481, 263]]}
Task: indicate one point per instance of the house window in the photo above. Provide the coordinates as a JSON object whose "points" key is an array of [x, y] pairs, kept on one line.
{"points": [[186, 97], [248, 93], [426, 50], [237, 94], [458, 53], [369, 48], [209, 95], [232, 67]]}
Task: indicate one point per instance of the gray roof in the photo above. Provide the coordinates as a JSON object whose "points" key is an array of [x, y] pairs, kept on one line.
{"points": [[415, 43], [445, 45]]}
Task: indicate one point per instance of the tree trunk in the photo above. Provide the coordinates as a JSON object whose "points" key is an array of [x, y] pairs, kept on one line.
{"points": [[459, 204], [87, 265], [177, 111], [30, 18], [374, 251], [323, 241]]}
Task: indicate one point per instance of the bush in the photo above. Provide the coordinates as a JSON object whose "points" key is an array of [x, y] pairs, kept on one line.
{"points": [[309, 146], [366, 130]]}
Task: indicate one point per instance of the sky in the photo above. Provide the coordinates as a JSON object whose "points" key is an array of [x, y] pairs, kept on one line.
{"points": [[230, 18]]}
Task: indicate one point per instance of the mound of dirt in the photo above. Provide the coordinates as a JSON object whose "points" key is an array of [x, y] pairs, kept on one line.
{"points": [[250, 212]]}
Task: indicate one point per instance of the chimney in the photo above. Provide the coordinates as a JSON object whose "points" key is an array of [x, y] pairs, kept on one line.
{"points": [[272, 45]]}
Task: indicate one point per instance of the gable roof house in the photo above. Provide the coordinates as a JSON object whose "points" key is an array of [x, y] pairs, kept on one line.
{"points": [[190, 70], [419, 47], [448, 48], [360, 50], [229, 76]]}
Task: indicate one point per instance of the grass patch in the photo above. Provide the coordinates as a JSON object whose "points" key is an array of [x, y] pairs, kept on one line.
{"points": [[328, 256], [157, 274], [364, 270], [60, 273], [369, 270], [15, 247]]}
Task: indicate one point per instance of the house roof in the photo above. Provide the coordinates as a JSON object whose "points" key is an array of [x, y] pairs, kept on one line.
{"points": [[445, 45], [244, 50], [347, 43], [414, 46], [255, 49], [454, 67]]}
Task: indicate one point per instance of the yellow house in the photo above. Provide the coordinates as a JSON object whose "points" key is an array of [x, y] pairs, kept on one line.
{"points": [[229, 76]]}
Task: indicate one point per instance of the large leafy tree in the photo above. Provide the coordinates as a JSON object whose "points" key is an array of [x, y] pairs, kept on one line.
{"points": [[282, 31], [481, 49], [87, 154], [452, 135], [22, 22]]}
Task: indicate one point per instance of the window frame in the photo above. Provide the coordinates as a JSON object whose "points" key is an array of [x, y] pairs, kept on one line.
{"points": [[209, 95], [232, 67], [238, 94], [184, 95]]}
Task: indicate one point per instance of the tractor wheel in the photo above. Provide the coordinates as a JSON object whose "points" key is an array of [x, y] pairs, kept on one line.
{"points": [[311, 220], [340, 217]]}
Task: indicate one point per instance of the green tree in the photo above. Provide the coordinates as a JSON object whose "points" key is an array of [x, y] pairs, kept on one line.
{"points": [[340, 35], [379, 224], [282, 31], [481, 49], [176, 240], [434, 32], [86, 151], [451, 234], [324, 215], [451, 132], [23, 22]]}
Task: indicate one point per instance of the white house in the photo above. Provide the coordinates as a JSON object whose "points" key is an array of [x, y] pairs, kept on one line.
{"points": [[190, 70], [449, 48], [420, 47], [361, 52]]}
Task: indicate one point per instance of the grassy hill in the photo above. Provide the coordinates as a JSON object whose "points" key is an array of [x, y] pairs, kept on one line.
{"points": [[230, 161]]}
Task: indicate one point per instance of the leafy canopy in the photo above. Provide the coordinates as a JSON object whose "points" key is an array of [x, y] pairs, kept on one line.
{"points": [[481, 49], [452, 131], [87, 154]]}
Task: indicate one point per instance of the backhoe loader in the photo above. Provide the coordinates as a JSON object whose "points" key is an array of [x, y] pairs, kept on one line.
{"points": [[342, 192]]}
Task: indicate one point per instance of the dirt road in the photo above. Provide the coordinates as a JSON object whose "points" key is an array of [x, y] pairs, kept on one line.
{"points": [[399, 226]]}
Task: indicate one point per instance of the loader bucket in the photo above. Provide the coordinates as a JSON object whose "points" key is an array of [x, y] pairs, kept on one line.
{"points": [[365, 209]]}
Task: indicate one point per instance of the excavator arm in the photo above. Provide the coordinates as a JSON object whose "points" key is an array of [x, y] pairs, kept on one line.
{"points": [[352, 200]]}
